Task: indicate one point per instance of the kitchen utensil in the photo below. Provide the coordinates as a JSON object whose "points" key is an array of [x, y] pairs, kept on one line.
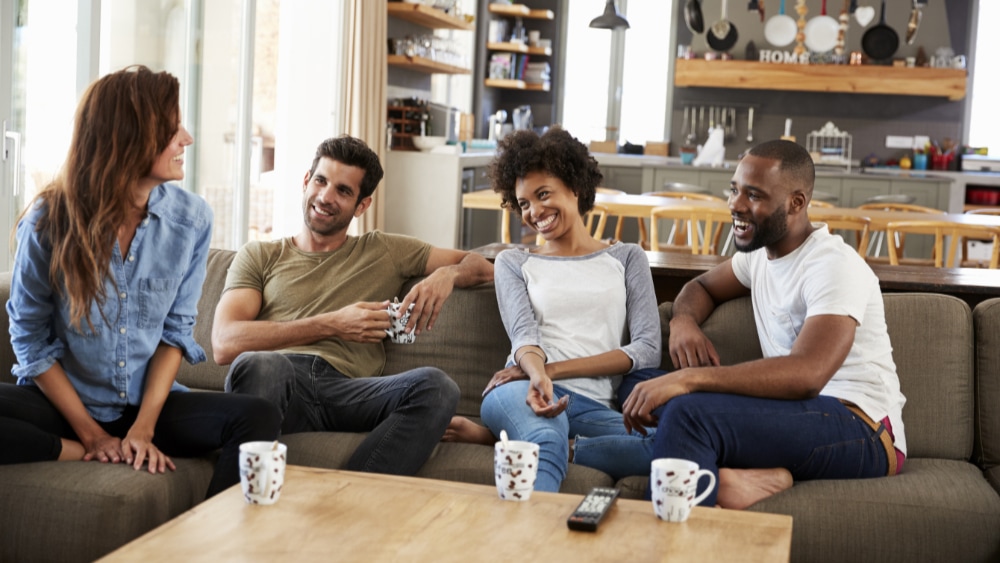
{"points": [[821, 32], [864, 15], [692, 16], [692, 137], [780, 29], [750, 125], [722, 35], [914, 23], [880, 42], [684, 122], [844, 19]]}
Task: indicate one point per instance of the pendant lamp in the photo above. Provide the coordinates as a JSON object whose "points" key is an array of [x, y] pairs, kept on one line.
{"points": [[610, 18]]}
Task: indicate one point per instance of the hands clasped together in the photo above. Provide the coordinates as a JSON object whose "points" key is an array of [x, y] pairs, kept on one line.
{"points": [[134, 449], [539, 391]]}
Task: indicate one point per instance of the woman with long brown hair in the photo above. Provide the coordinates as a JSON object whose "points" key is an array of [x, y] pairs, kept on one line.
{"points": [[107, 275]]}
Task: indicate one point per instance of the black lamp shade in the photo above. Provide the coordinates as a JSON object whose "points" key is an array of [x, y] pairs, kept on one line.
{"points": [[610, 18]]}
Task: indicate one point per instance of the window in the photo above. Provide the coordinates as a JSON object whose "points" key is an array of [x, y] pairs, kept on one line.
{"points": [[614, 89], [984, 120]]}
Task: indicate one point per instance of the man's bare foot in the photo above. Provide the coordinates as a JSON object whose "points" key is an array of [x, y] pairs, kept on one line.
{"points": [[461, 429], [739, 488]]}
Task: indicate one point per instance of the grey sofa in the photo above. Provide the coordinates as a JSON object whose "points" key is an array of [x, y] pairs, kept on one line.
{"points": [[944, 506]]}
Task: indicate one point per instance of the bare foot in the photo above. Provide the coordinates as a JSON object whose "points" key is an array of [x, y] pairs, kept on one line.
{"points": [[71, 450], [739, 488], [461, 429]]}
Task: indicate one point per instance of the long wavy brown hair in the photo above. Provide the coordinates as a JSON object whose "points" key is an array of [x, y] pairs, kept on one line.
{"points": [[123, 122]]}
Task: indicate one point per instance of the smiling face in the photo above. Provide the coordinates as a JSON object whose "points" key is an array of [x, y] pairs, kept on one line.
{"points": [[170, 164], [547, 205], [759, 199], [330, 197]]}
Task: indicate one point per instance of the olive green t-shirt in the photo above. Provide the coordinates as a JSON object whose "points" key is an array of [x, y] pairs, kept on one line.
{"points": [[296, 284]]}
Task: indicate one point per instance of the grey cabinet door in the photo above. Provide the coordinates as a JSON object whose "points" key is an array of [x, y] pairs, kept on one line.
{"points": [[825, 187], [625, 178], [664, 176]]}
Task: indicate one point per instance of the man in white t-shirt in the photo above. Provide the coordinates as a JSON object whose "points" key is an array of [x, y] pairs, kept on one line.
{"points": [[824, 402]]}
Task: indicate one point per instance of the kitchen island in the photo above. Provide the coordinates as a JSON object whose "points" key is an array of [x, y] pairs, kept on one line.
{"points": [[424, 190]]}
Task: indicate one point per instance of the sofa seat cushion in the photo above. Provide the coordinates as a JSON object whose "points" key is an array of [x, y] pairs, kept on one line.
{"points": [[99, 507], [466, 463], [935, 510]]}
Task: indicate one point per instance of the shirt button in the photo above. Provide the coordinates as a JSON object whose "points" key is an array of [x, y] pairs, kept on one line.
{"points": [[145, 222], [122, 330], [121, 364], [131, 258], [122, 395], [122, 295]]}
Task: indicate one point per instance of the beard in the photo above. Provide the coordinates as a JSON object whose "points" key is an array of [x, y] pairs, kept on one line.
{"points": [[333, 223], [767, 232]]}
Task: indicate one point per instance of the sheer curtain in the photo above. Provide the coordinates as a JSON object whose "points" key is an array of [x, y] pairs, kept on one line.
{"points": [[365, 71]]}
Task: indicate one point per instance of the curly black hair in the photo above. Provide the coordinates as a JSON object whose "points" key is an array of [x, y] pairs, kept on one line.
{"points": [[556, 153]]}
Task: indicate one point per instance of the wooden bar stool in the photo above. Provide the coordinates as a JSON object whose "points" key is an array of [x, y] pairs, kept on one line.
{"points": [[857, 226], [885, 203], [707, 221], [940, 230]]}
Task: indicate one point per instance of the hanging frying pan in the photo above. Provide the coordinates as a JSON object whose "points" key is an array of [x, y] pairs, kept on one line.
{"points": [[880, 42], [722, 35], [821, 32], [780, 30], [692, 16]]}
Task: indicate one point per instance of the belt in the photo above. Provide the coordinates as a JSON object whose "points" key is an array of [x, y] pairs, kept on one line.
{"points": [[881, 431]]}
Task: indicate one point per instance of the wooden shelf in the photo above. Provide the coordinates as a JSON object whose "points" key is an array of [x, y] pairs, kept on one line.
{"points": [[427, 16], [420, 64], [519, 48], [520, 10], [866, 79], [516, 85]]}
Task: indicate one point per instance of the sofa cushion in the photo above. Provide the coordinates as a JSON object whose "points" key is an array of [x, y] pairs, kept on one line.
{"points": [[468, 342], [931, 337], [98, 507], [208, 375], [467, 463], [987, 446]]}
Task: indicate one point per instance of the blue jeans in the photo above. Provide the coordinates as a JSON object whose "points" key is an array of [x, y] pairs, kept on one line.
{"points": [[405, 415], [190, 424], [601, 439], [813, 439]]}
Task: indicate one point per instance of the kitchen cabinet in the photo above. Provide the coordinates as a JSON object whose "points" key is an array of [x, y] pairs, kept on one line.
{"points": [[625, 178], [864, 79], [655, 178], [432, 18], [831, 186]]}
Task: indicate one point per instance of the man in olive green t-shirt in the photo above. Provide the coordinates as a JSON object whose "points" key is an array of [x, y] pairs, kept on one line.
{"points": [[302, 319]]}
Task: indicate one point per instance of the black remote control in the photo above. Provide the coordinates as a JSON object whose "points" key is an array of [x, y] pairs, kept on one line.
{"points": [[592, 509]]}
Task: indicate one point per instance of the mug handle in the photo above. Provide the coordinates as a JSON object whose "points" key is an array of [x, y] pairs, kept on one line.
{"points": [[703, 473]]}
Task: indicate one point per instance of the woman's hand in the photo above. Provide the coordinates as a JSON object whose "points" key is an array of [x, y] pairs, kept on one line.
{"points": [[138, 447], [103, 447], [505, 375], [540, 398]]}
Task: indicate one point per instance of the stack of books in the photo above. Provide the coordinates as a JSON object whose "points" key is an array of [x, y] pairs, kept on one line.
{"points": [[537, 73]]}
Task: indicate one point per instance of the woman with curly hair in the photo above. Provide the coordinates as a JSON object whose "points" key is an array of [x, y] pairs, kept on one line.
{"points": [[580, 313], [107, 274]]}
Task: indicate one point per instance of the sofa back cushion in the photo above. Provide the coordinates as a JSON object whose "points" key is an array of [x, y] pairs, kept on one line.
{"points": [[931, 339], [208, 375], [468, 342], [986, 318]]}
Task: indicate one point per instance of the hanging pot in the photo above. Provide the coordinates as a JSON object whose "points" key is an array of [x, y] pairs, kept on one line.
{"points": [[821, 32], [722, 35], [880, 42], [780, 30], [692, 16]]}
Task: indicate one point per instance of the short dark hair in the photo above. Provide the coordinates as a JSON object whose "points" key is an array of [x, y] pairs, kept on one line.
{"points": [[793, 160], [556, 153], [352, 152]]}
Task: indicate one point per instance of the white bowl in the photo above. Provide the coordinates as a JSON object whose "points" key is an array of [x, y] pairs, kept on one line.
{"points": [[428, 143]]}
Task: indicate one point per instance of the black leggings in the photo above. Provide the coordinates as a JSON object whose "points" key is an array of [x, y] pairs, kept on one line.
{"points": [[191, 424]]}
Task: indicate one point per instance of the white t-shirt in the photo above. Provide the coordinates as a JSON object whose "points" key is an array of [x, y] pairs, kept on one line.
{"points": [[580, 306], [825, 276]]}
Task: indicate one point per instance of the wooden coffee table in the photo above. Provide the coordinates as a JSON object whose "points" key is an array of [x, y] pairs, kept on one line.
{"points": [[326, 515]]}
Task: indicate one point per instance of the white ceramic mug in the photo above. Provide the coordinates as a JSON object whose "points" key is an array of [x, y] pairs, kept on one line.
{"points": [[398, 332], [515, 465], [262, 471], [674, 483]]}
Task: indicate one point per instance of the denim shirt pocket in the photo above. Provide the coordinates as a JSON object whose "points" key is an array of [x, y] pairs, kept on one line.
{"points": [[156, 297]]}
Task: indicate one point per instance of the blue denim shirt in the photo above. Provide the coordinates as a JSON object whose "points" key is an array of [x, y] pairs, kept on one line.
{"points": [[152, 297]]}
